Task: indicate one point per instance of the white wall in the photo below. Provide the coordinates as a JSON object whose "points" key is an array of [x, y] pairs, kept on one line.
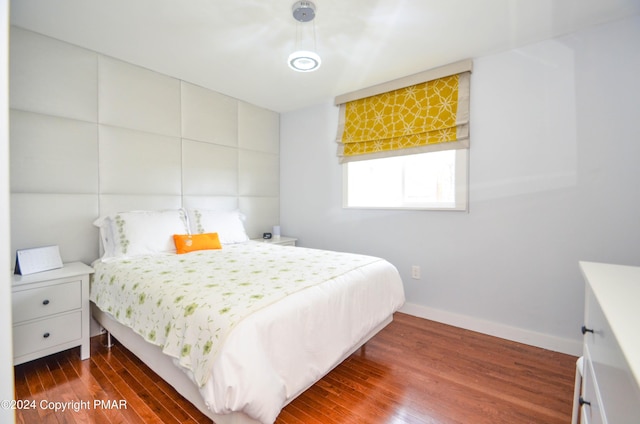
{"points": [[553, 180]]}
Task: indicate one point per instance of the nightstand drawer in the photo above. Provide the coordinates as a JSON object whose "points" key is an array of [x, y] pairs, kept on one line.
{"points": [[51, 312], [46, 333], [44, 301]]}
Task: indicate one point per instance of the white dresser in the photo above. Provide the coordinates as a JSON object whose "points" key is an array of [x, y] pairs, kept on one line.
{"points": [[51, 312], [611, 374]]}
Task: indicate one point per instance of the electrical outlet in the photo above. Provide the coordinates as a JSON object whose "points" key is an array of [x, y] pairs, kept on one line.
{"points": [[415, 272]]}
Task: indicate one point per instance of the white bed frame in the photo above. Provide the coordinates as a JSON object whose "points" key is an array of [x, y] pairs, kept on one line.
{"points": [[163, 365]]}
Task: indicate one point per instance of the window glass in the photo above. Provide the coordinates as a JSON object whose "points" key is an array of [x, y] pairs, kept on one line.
{"points": [[436, 180]]}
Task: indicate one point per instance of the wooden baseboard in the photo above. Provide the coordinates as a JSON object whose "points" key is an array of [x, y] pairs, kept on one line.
{"points": [[532, 338]]}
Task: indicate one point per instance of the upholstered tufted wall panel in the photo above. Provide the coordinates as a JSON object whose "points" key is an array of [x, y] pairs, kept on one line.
{"points": [[50, 77], [209, 116], [92, 135]]}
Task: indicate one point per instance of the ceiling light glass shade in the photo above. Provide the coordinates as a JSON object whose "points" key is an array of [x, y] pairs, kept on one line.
{"points": [[304, 61]]}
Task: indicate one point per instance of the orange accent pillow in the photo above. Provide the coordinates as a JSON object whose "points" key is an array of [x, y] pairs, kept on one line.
{"points": [[186, 243]]}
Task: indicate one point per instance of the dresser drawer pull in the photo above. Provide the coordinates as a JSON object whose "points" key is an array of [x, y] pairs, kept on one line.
{"points": [[586, 330], [46, 335], [45, 302], [583, 402]]}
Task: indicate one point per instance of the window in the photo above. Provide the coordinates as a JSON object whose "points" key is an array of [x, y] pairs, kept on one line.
{"points": [[404, 144], [435, 181]]}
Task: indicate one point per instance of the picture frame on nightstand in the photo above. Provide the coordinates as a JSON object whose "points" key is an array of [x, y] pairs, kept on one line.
{"points": [[37, 259]]}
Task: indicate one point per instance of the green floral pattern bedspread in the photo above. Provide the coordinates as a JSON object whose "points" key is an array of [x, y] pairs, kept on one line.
{"points": [[187, 304]]}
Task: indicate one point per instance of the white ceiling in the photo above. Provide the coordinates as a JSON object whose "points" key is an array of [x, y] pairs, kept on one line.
{"points": [[240, 47]]}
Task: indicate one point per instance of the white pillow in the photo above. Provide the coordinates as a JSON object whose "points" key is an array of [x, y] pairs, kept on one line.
{"points": [[228, 224], [106, 236], [141, 232]]}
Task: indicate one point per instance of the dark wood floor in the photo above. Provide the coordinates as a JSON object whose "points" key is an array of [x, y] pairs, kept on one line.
{"points": [[414, 371]]}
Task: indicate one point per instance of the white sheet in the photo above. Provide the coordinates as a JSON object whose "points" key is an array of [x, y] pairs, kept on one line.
{"points": [[281, 350]]}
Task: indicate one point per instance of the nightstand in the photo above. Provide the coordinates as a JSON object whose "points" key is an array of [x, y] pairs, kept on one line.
{"points": [[280, 241], [51, 312]]}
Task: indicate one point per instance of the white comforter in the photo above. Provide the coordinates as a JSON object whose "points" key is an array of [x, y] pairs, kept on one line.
{"points": [[282, 348]]}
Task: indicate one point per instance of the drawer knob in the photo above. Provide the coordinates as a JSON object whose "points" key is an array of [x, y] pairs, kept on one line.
{"points": [[45, 302], [583, 402], [586, 330], [46, 335]]}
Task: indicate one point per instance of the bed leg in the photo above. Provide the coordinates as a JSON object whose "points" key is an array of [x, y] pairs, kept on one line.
{"points": [[109, 343]]}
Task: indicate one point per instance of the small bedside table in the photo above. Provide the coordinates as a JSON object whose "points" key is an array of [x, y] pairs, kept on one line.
{"points": [[280, 241], [51, 312]]}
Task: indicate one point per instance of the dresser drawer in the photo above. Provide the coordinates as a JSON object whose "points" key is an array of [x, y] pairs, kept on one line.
{"points": [[590, 413], [40, 302], [617, 391], [46, 333]]}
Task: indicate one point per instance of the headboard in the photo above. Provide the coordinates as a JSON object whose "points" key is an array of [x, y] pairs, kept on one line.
{"points": [[92, 135]]}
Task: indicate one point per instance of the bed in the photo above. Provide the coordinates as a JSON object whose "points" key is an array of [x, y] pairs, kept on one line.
{"points": [[241, 328]]}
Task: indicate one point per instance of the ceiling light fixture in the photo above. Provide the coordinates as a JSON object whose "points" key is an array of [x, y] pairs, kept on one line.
{"points": [[304, 59]]}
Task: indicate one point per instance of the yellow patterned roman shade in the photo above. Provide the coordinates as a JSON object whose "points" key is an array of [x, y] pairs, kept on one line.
{"points": [[423, 117]]}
